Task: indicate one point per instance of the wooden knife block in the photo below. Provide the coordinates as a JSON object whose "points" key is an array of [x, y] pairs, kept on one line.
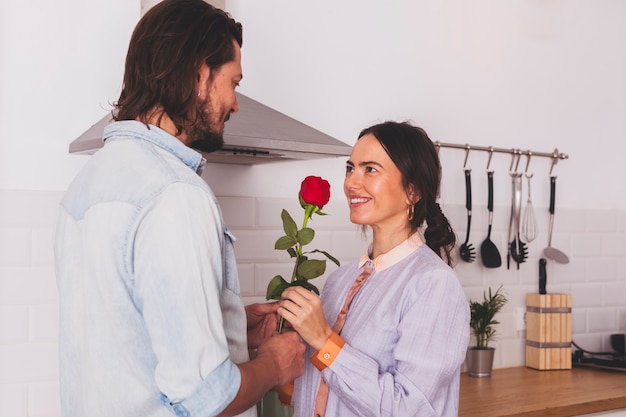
{"points": [[549, 331]]}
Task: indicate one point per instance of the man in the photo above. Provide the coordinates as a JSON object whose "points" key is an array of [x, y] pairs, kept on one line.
{"points": [[152, 323]]}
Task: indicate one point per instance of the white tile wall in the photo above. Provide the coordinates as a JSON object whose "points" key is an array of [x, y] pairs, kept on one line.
{"points": [[595, 241], [28, 305]]}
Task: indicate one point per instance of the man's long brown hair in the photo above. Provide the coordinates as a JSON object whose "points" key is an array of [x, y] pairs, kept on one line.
{"points": [[167, 48]]}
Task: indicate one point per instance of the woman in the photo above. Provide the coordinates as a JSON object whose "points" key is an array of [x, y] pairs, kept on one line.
{"points": [[405, 335]]}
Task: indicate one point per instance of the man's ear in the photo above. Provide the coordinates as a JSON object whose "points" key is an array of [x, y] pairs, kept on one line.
{"points": [[202, 79]]}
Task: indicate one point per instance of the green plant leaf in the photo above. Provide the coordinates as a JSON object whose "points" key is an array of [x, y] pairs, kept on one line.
{"points": [[303, 203], [284, 242], [306, 284], [328, 255], [482, 316], [292, 252], [289, 225], [311, 268], [275, 288], [299, 260], [317, 210], [305, 236]]}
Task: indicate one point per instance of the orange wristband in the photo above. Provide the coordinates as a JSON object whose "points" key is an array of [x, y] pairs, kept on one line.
{"points": [[327, 354]]}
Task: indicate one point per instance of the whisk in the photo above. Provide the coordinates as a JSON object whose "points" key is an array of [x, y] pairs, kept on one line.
{"points": [[529, 226]]}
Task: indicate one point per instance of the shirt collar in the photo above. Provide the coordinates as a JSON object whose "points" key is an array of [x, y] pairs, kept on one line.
{"points": [[157, 136], [395, 255]]}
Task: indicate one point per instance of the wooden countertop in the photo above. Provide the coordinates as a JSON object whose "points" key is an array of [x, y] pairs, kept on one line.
{"points": [[525, 392]]}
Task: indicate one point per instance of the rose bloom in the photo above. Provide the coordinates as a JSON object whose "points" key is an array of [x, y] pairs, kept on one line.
{"points": [[315, 191]]}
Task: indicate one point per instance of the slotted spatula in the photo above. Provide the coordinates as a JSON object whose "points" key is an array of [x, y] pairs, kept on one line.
{"points": [[488, 250], [467, 251], [550, 252]]}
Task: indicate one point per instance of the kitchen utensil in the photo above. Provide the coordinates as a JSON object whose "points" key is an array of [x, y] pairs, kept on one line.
{"points": [[488, 250], [550, 252], [618, 343], [543, 277], [467, 251], [529, 226], [517, 248], [510, 235]]}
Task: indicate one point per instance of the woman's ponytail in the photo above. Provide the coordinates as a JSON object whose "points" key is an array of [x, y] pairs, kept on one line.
{"points": [[438, 233]]}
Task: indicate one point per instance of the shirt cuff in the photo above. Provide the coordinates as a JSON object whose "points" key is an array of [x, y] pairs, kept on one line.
{"points": [[327, 354]]}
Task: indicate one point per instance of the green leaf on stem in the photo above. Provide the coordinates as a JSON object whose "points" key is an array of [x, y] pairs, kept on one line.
{"points": [[311, 268], [275, 288], [292, 252], [318, 211], [310, 209], [305, 236], [289, 225], [303, 203], [328, 255], [284, 242]]}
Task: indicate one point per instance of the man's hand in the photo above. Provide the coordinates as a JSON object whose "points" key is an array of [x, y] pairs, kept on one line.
{"points": [[262, 323], [286, 353], [279, 360]]}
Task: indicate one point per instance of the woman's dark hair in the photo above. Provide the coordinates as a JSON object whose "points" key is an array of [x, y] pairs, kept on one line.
{"points": [[412, 151], [167, 48]]}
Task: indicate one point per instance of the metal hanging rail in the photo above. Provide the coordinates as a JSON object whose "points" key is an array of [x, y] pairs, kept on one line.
{"points": [[516, 153], [554, 155]]}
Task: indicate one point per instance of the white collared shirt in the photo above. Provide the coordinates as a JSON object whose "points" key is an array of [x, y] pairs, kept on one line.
{"points": [[406, 333]]}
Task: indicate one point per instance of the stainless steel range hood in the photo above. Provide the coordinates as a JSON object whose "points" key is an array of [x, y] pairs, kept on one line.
{"points": [[255, 134]]}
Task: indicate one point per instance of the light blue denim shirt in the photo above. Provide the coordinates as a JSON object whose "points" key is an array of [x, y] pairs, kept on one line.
{"points": [[151, 321]]}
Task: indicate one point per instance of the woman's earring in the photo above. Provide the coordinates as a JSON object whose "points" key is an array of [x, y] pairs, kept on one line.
{"points": [[411, 211]]}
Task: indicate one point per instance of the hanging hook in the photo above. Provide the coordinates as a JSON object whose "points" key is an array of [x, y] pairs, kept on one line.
{"points": [[516, 153], [555, 159], [528, 156], [467, 151], [490, 155]]}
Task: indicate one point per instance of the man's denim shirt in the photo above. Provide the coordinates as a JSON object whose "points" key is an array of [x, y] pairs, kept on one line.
{"points": [[152, 323]]}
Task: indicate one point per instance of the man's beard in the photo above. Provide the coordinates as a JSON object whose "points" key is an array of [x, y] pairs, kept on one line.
{"points": [[203, 135]]}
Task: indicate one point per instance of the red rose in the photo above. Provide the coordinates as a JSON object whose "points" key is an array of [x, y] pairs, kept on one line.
{"points": [[315, 191]]}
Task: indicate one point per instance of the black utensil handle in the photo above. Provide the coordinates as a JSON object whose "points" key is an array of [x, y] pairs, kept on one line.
{"points": [[542, 276], [490, 190], [468, 190], [552, 193]]}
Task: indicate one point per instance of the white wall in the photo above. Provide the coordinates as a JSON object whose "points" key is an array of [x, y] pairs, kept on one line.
{"points": [[533, 75], [61, 65]]}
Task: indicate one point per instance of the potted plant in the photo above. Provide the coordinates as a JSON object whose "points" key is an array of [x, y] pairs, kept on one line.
{"points": [[482, 320]]}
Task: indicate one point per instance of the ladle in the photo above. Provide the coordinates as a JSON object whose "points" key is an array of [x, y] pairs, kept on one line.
{"points": [[550, 252]]}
